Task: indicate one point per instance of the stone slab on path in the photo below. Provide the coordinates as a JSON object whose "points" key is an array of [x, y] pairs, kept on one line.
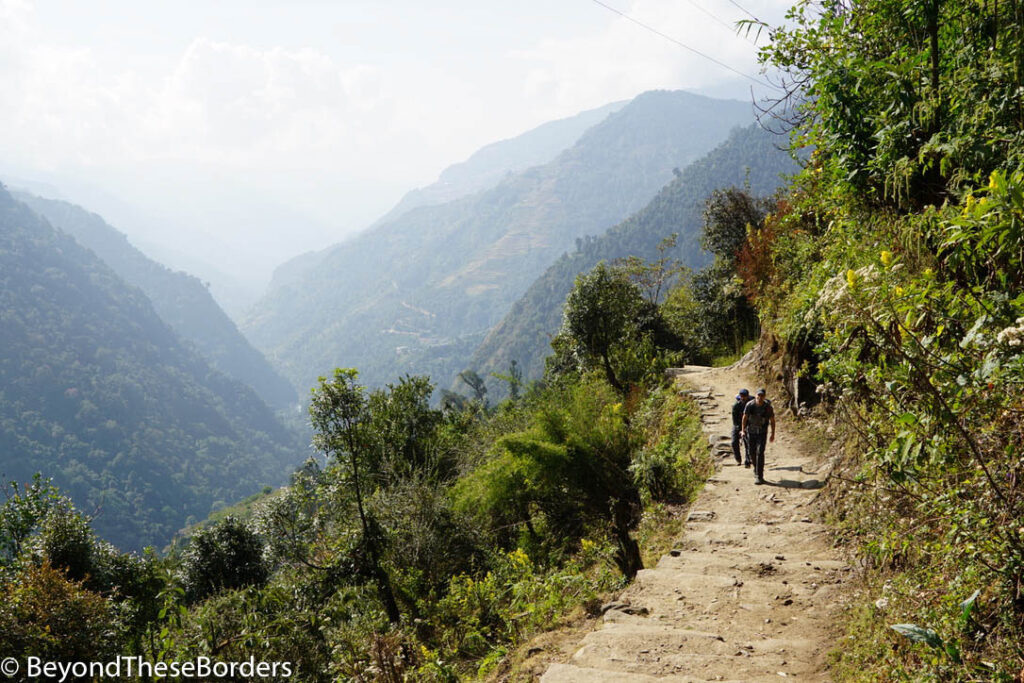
{"points": [[750, 591]]}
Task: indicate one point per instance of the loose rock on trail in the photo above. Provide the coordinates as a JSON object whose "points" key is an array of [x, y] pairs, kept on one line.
{"points": [[751, 589]]}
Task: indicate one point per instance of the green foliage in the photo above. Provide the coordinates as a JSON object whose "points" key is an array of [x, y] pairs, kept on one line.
{"points": [[674, 462], [937, 101], [181, 300], [341, 418], [225, 556], [566, 474], [99, 395], [602, 319], [748, 155], [67, 542], [24, 508], [896, 270], [725, 318], [517, 598], [45, 614]]}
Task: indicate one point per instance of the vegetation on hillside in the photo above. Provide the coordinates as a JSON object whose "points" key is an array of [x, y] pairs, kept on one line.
{"points": [[419, 543], [99, 394], [749, 158], [417, 294], [893, 274], [181, 300]]}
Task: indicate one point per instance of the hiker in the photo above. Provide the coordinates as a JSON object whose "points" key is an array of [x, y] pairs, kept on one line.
{"points": [[737, 427], [757, 416]]}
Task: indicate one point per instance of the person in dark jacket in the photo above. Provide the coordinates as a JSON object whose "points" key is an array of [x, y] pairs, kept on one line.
{"points": [[737, 427], [758, 415]]}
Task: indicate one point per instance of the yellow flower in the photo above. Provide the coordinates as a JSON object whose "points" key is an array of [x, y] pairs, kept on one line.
{"points": [[992, 180], [899, 291], [851, 278], [519, 557], [886, 258]]}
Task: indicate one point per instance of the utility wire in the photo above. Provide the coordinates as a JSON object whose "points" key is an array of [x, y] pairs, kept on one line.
{"points": [[719, 21], [685, 46], [745, 11]]}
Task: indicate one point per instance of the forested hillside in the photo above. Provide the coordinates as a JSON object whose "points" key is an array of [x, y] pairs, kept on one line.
{"points": [[419, 293], [97, 392], [892, 274], [181, 300], [750, 156]]}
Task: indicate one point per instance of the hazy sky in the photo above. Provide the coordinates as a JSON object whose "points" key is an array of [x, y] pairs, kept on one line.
{"points": [[247, 132]]}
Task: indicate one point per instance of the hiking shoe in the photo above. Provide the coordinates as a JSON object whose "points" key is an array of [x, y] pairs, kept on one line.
{"points": [[758, 480], [737, 461], [747, 463]]}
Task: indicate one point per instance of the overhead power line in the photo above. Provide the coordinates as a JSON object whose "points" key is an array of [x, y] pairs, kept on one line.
{"points": [[744, 10], [686, 47], [720, 22]]}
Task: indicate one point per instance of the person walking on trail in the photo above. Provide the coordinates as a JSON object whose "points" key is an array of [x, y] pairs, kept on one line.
{"points": [[758, 415], [737, 427]]}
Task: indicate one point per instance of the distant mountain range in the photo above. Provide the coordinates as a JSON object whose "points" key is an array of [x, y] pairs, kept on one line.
{"points": [[749, 156], [181, 300], [419, 291], [492, 163], [98, 392]]}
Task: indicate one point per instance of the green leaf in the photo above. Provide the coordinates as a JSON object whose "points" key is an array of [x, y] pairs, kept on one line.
{"points": [[919, 634], [967, 606]]}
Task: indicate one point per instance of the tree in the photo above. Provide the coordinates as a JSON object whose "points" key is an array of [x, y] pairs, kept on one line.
{"points": [[727, 317], [514, 378], [341, 421], [23, 510], [402, 428], [600, 315], [729, 215], [656, 277], [568, 473], [477, 384], [225, 556]]}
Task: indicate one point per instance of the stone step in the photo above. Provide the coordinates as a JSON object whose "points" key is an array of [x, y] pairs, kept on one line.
{"points": [[728, 559], [633, 658], [571, 673]]}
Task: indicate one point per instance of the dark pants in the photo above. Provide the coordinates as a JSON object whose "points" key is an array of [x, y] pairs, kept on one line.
{"points": [[736, 438], [757, 442]]}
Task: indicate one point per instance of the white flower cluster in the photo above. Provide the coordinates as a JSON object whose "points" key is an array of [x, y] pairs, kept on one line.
{"points": [[1012, 336]]}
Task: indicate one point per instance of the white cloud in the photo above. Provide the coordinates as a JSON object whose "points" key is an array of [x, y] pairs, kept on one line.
{"points": [[333, 129], [624, 59]]}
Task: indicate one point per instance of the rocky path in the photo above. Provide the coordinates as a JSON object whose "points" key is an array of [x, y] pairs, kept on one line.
{"points": [[749, 592]]}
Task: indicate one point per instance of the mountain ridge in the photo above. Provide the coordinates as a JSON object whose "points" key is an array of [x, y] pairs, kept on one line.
{"points": [[98, 392], [181, 299], [748, 156], [361, 303]]}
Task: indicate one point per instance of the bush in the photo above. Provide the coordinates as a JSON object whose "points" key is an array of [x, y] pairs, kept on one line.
{"points": [[226, 555], [44, 614]]}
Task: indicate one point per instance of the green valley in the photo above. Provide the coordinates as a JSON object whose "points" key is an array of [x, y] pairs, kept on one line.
{"points": [[97, 392]]}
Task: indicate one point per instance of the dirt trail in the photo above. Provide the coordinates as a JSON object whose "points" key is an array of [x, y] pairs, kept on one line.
{"points": [[749, 592]]}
